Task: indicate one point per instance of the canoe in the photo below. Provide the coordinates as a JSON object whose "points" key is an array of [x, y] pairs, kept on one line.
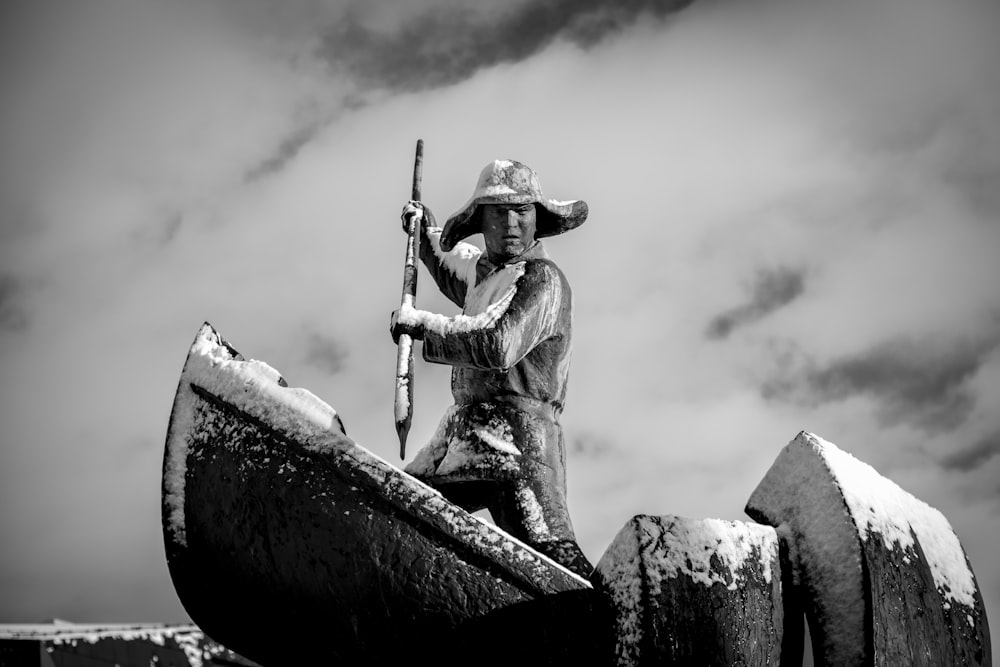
{"points": [[289, 542]]}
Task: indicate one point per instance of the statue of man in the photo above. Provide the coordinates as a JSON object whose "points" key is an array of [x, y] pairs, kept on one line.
{"points": [[500, 446]]}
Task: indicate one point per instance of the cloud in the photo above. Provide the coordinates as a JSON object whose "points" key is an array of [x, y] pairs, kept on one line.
{"points": [[325, 353], [158, 231], [970, 458], [448, 44], [12, 314], [975, 174], [924, 381], [773, 289], [590, 444], [285, 152]]}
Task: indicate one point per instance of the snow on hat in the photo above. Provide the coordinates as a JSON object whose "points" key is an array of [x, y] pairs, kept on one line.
{"points": [[510, 182]]}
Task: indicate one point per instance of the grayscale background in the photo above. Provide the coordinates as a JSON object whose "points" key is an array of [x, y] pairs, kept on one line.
{"points": [[795, 224]]}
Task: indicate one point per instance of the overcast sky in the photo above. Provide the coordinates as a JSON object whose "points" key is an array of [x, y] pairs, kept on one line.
{"points": [[795, 224]]}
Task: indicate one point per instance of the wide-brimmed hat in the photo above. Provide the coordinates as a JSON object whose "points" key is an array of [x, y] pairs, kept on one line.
{"points": [[511, 182]]}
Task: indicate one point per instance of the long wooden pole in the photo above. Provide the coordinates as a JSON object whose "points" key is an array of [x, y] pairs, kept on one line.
{"points": [[404, 353]]}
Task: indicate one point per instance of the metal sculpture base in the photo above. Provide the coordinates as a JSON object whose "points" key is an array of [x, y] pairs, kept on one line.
{"points": [[289, 543]]}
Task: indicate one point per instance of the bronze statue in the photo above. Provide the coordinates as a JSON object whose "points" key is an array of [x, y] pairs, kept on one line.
{"points": [[500, 446]]}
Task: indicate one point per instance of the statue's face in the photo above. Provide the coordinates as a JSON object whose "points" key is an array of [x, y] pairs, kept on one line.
{"points": [[508, 229]]}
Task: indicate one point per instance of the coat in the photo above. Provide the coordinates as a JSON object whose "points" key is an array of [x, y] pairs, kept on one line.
{"points": [[510, 352]]}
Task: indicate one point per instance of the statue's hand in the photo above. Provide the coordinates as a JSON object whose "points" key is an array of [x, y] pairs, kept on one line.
{"points": [[420, 213], [404, 322]]}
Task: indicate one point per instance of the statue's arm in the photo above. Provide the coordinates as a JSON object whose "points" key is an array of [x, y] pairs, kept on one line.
{"points": [[453, 271], [500, 337]]}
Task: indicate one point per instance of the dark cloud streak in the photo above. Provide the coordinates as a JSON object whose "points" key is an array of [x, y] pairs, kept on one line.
{"points": [[12, 314], [161, 231], [284, 153], [592, 445], [772, 290], [448, 45], [325, 353], [924, 382], [976, 177], [972, 457]]}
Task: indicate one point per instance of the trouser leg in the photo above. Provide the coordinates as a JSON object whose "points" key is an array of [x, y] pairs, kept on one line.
{"points": [[533, 509]]}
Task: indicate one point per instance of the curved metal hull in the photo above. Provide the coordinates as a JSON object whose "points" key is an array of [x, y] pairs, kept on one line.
{"points": [[287, 541]]}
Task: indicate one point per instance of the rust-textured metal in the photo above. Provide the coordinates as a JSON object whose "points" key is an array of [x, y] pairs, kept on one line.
{"points": [[404, 352]]}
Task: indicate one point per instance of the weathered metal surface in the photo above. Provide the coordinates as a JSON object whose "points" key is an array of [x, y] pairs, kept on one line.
{"points": [[694, 592], [64, 644], [289, 543], [882, 576], [403, 403], [294, 543]]}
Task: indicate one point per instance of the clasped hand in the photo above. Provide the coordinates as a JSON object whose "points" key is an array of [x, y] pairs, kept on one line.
{"points": [[419, 213], [406, 325]]}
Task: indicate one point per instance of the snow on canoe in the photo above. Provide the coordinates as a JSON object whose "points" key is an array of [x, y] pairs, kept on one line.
{"points": [[287, 541]]}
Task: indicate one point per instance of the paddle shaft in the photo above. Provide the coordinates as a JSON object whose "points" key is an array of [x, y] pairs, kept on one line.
{"points": [[404, 352]]}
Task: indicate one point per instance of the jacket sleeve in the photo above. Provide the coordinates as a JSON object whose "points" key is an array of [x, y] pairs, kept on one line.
{"points": [[453, 271], [527, 314]]}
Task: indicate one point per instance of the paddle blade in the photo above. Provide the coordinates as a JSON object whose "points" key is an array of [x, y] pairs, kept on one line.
{"points": [[404, 391]]}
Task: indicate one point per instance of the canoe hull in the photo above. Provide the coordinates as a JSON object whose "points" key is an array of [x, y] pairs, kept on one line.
{"points": [[284, 545]]}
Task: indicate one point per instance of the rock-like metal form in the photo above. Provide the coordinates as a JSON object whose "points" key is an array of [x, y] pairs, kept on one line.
{"points": [[882, 575], [694, 592], [289, 543]]}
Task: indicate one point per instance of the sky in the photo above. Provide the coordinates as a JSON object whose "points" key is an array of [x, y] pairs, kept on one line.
{"points": [[794, 225]]}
